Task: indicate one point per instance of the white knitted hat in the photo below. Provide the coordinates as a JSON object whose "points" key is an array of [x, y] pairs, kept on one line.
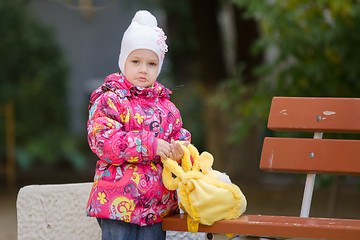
{"points": [[143, 33]]}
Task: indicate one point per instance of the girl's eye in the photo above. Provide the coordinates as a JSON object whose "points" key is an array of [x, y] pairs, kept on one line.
{"points": [[152, 64], [135, 61]]}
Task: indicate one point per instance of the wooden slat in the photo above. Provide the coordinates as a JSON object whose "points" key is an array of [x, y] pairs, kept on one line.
{"points": [[311, 155], [276, 226], [315, 114]]}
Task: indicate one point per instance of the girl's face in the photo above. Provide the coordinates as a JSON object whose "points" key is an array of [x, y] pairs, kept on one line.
{"points": [[141, 67]]}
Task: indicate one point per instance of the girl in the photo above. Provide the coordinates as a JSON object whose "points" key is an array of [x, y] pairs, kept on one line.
{"points": [[132, 123]]}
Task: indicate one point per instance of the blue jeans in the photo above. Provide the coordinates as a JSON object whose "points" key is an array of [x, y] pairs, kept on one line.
{"points": [[119, 230]]}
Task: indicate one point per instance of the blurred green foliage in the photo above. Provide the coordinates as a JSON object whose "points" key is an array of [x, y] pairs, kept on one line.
{"points": [[33, 74], [312, 49]]}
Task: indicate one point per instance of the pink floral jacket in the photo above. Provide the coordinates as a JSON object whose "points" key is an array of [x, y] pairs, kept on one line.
{"points": [[124, 124]]}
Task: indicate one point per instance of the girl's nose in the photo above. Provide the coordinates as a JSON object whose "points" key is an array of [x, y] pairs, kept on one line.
{"points": [[143, 68]]}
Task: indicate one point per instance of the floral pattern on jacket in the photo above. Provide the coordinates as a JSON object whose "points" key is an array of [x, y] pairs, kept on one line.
{"points": [[124, 124]]}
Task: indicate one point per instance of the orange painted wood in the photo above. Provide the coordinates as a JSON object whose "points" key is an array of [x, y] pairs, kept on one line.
{"points": [[303, 155], [276, 226], [315, 114]]}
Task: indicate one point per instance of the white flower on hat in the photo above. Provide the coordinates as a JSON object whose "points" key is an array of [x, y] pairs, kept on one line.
{"points": [[143, 33]]}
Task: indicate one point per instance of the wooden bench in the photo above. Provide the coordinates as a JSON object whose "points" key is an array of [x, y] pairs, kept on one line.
{"points": [[301, 155]]}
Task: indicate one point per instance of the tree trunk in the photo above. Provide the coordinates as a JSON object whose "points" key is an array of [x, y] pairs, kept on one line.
{"points": [[246, 32], [240, 160], [211, 72]]}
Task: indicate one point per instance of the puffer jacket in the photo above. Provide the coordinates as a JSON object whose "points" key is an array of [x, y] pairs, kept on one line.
{"points": [[124, 124]]}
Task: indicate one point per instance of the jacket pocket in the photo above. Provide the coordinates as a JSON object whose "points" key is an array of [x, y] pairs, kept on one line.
{"points": [[103, 184]]}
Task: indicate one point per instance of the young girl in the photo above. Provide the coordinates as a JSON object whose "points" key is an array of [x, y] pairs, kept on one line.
{"points": [[132, 123]]}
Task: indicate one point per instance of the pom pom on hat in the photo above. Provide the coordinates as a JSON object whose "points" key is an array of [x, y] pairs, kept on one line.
{"points": [[145, 18], [143, 33]]}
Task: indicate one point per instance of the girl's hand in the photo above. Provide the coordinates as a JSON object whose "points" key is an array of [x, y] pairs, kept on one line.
{"points": [[163, 149], [177, 152]]}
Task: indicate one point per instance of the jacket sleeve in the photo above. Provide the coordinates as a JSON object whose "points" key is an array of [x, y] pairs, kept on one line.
{"points": [[182, 135], [179, 133], [110, 141]]}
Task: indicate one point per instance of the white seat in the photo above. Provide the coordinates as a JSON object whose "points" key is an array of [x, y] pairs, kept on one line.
{"points": [[55, 212]]}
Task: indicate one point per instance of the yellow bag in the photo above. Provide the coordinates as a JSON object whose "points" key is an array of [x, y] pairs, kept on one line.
{"points": [[205, 195]]}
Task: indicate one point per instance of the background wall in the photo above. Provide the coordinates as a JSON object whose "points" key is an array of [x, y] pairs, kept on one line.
{"points": [[91, 45]]}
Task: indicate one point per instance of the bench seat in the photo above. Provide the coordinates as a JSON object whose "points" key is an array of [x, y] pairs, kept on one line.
{"points": [[275, 226]]}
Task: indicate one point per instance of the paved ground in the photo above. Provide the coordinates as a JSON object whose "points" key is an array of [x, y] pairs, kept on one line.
{"points": [[7, 216], [283, 199]]}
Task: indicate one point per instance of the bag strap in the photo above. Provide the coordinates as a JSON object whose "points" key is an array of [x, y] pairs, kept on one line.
{"points": [[193, 219]]}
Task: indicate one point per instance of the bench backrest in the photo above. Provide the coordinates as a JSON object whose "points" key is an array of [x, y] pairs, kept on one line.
{"points": [[306, 155], [312, 155]]}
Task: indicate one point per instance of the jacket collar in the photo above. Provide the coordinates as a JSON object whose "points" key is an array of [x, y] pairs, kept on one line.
{"points": [[122, 87]]}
